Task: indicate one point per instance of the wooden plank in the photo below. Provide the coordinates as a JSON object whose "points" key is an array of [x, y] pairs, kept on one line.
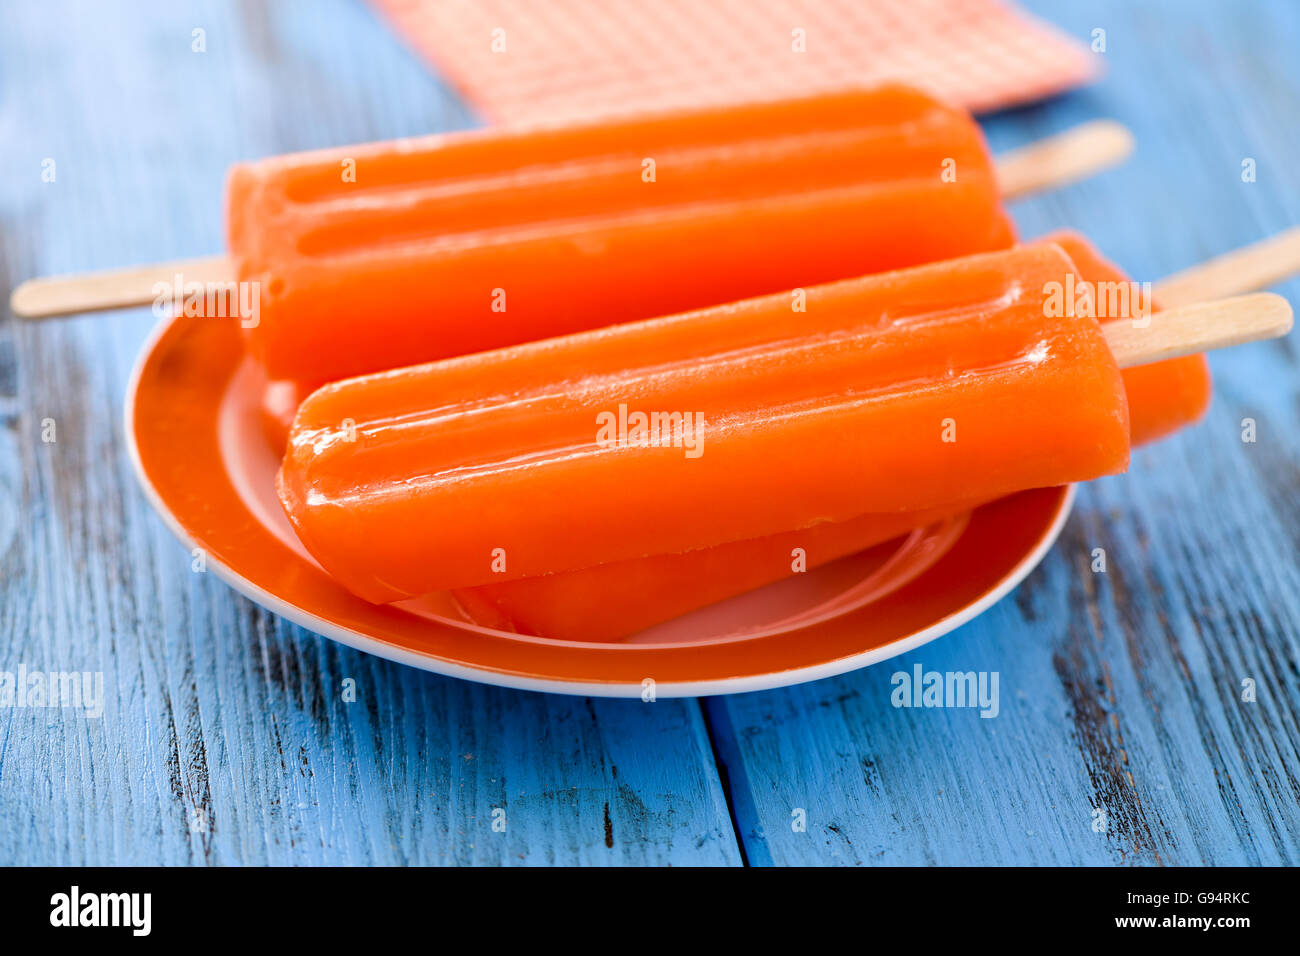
{"points": [[224, 737], [1119, 691]]}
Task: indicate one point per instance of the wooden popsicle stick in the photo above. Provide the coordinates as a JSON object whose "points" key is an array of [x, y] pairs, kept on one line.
{"points": [[1199, 327], [111, 289], [1050, 162], [1063, 158], [1255, 266]]}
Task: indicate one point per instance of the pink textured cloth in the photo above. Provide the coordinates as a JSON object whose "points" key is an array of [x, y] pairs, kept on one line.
{"points": [[518, 60]]}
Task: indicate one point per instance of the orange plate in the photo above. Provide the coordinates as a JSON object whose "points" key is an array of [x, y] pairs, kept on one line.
{"points": [[192, 421]]}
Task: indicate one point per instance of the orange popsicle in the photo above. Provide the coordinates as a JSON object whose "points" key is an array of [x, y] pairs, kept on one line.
{"points": [[390, 254], [610, 601], [904, 391]]}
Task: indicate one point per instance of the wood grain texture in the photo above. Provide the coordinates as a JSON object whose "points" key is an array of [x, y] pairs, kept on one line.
{"points": [[1118, 691], [1199, 327], [225, 738], [1122, 690]]}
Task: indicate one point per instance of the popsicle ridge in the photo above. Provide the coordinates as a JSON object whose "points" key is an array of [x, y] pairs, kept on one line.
{"points": [[307, 176], [475, 209]]}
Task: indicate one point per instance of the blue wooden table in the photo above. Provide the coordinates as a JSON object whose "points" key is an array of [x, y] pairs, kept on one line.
{"points": [[223, 737]]}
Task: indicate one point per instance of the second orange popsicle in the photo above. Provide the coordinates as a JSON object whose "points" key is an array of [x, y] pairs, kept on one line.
{"points": [[471, 241]]}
